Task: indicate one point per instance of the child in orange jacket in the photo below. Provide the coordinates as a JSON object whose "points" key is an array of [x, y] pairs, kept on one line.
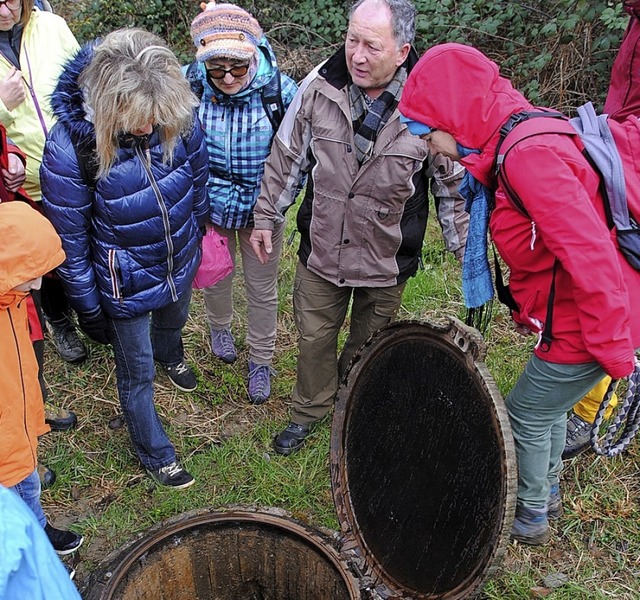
{"points": [[30, 248]]}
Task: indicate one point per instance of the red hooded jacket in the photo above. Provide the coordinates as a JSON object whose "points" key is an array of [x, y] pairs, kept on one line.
{"points": [[592, 318], [35, 327], [623, 97]]}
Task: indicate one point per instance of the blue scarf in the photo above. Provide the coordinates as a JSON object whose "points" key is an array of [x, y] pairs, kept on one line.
{"points": [[477, 285]]}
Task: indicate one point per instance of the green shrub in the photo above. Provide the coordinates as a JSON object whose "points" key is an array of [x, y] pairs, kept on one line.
{"points": [[558, 52]]}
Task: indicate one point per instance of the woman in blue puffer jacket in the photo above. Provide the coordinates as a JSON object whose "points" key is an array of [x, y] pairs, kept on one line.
{"points": [[130, 227]]}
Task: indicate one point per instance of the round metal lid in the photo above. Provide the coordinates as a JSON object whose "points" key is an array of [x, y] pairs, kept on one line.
{"points": [[422, 462]]}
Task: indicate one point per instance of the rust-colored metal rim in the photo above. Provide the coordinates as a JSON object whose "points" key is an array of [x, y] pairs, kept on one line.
{"points": [[464, 345], [114, 568]]}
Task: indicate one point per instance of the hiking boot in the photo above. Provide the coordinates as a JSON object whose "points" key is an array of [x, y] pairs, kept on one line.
{"points": [[63, 542], [172, 475], [554, 506], [65, 338], [46, 475], [222, 345], [290, 439], [530, 526], [259, 382], [59, 419], [182, 376], [578, 436]]}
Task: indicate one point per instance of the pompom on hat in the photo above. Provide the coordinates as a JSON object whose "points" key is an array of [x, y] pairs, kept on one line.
{"points": [[225, 31]]}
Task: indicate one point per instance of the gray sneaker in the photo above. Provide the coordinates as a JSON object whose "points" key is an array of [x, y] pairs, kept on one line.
{"points": [[530, 526], [222, 345], [554, 507], [578, 436], [65, 338]]}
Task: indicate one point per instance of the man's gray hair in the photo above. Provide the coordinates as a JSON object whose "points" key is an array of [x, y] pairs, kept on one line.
{"points": [[403, 19]]}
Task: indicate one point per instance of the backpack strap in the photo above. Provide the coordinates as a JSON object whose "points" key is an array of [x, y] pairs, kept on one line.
{"points": [[195, 81], [85, 154], [271, 94], [604, 157], [521, 126]]}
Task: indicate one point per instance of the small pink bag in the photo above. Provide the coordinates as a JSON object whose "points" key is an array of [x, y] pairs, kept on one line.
{"points": [[216, 260]]}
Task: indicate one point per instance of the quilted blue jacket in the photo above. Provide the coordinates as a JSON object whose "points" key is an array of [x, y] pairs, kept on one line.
{"points": [[238, 134], [133, 245]]}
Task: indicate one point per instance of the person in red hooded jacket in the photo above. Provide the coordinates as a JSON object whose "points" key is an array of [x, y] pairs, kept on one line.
{"points": [[623, 99], [595, 331]]}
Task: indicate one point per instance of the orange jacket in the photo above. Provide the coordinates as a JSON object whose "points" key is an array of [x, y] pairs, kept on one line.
{"points": [[29, 248]]}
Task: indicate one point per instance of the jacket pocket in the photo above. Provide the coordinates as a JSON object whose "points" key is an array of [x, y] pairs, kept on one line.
{"points": [[116, 274]]}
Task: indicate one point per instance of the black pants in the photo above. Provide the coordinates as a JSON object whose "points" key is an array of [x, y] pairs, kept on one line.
{"points": [[54, 300], [38, 345]]}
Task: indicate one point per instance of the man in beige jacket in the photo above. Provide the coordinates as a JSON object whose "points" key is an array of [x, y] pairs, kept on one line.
{"points": [[363, 217]]}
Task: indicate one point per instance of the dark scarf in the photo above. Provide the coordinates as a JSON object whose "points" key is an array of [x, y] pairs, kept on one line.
{"points": [[368, 123]]}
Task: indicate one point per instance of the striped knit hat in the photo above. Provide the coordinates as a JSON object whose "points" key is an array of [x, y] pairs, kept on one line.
{"points": [[225, 31]]}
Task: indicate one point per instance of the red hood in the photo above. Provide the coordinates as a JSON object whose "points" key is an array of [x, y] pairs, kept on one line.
{"points": [[457, 89], [632, 7]]}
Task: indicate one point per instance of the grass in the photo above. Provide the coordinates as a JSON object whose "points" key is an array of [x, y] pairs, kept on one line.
{"points": [[225, 442]]}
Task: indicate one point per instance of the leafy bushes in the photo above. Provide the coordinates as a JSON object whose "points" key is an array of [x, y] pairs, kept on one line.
{"points": [[558, 52]]}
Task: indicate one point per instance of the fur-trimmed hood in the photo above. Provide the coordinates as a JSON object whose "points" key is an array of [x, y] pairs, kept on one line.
{"points": [[67, 100]]}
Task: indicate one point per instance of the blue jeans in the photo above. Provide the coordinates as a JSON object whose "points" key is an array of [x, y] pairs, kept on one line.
{"points": [[29, 490], [135, 347], [537, 407]]}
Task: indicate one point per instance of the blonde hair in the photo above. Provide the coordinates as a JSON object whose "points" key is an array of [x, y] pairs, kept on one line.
{"points": [[27, 9], [134, 79]]}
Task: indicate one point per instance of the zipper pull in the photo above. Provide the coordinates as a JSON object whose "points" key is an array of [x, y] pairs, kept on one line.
{"points": [[533, 235], [291, 237]]}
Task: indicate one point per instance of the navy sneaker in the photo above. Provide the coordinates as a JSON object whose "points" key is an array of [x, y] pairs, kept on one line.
{"points": [[63, 542], [530, 526], [173, 476], [182, 376]]}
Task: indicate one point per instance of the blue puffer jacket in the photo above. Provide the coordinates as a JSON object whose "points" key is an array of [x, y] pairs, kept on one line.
{"points": [[133, 245]]}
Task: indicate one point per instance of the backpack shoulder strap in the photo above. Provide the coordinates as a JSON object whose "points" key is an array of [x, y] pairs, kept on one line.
{"points": [[85, 153], [605, 158], [192, 76], [522, 126], [271, 94]]}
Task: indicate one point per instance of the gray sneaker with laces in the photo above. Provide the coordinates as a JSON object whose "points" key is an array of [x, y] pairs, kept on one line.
{"points": [[66, 341], [259, 382], [222, 345], [578, 436]]}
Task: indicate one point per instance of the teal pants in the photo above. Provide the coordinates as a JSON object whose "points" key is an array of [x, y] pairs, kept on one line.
{"points": [[537, 407]]}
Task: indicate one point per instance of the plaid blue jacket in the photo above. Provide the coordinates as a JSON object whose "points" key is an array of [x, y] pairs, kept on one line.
{"points": [[238, 135]]}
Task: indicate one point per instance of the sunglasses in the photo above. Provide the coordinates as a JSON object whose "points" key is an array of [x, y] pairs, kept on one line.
{"points": [[220, 73]]}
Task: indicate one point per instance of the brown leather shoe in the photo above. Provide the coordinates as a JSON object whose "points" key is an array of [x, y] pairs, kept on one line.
{"points": [[47, 476], [59, 419]]}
